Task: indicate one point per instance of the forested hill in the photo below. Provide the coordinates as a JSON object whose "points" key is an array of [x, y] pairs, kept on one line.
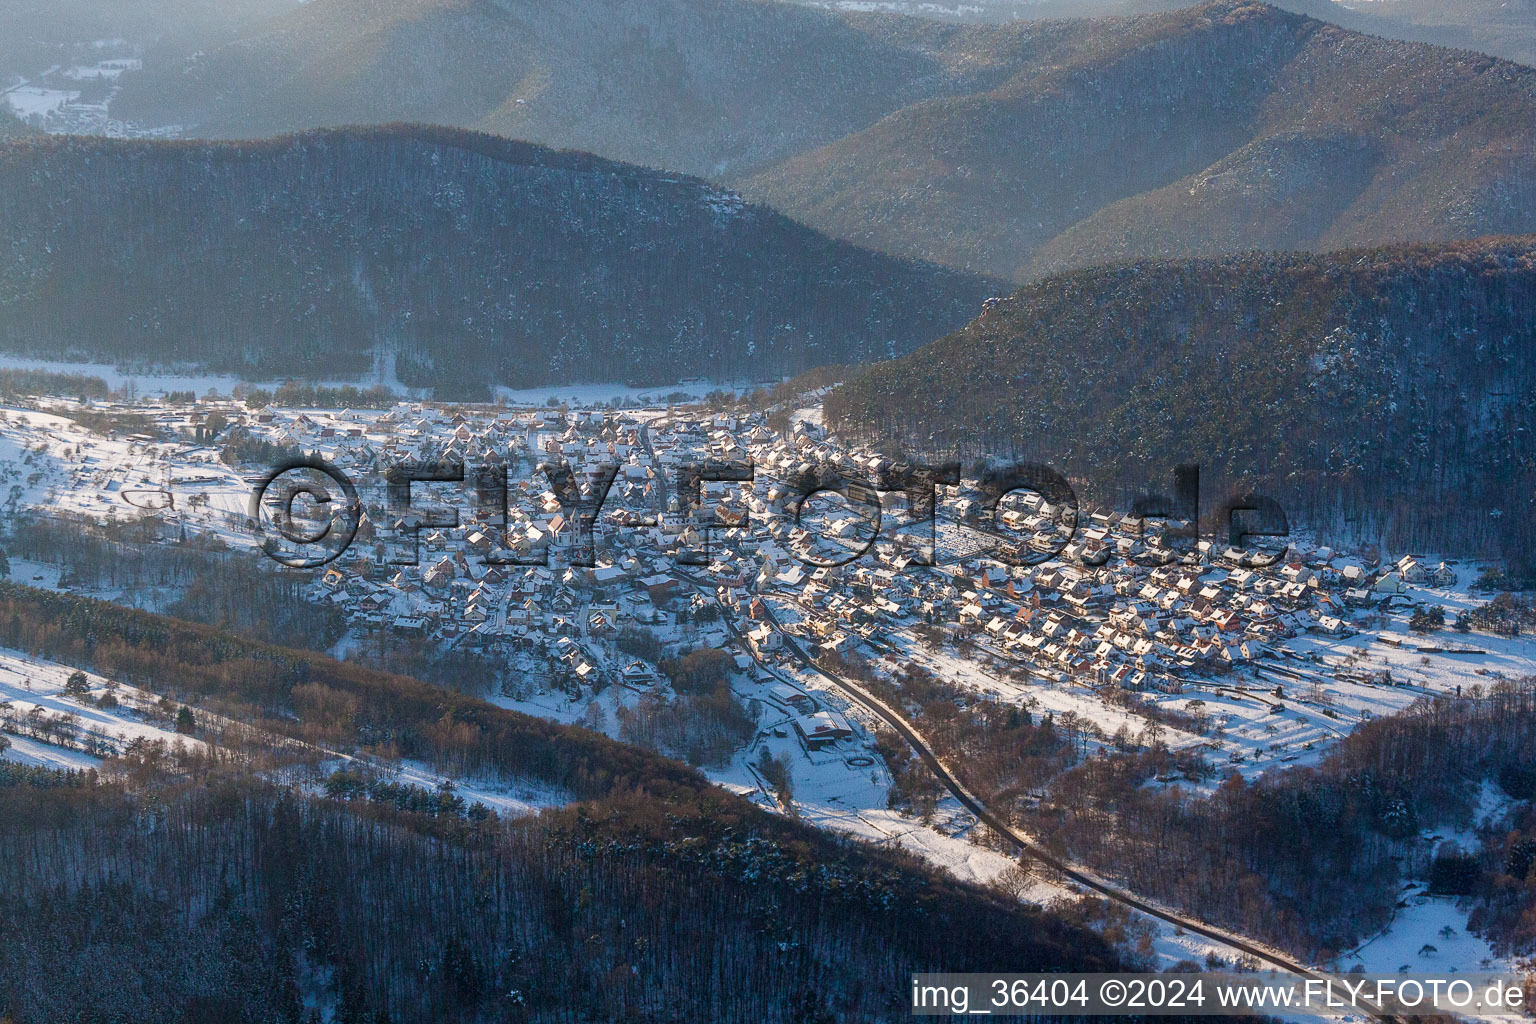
{"points": [[1391, 392], [476, 259]]}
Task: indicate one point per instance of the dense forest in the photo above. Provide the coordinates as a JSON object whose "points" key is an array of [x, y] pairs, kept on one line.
{"points": [[1350, 825], [1383, 394], [1011, 149], [466, 259], [226, 900], [199, 579]]}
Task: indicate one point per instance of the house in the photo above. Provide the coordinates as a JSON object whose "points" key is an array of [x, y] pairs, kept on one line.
{"points": [[440, 575], [637, 673], [605, 575], [524, 613], [660, 589], [1296, 572], [764, 640], [821, 729]]}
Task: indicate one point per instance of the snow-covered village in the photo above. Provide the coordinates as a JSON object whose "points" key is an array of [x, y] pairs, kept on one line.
{"points": [[767, 511], [721, 622]]}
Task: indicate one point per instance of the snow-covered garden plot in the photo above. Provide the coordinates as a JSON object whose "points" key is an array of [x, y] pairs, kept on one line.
{"points": [[1397, 650], [53, 465], [33, 452], [1257, 730]]}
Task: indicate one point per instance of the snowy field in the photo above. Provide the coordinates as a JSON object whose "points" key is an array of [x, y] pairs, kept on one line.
{"points": [[35, 690], [1429, 933], [28, 101], [52, 463]]}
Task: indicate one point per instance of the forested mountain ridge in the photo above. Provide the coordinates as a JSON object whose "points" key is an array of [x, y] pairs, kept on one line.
{"points": [[1011, 149], [1226, 127], [473, 259], [1388, 392], [1500, 28], [284, 691]]}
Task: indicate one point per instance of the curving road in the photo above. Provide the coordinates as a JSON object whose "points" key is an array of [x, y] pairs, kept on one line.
{"points": [[1025, 845]]}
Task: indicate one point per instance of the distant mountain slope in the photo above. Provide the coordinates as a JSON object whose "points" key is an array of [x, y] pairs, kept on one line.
{"points": [[1388, 391], [40, 35], [1223, 128], [1499, 28], [477, 260], [1010, 149], [702, 86]]}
